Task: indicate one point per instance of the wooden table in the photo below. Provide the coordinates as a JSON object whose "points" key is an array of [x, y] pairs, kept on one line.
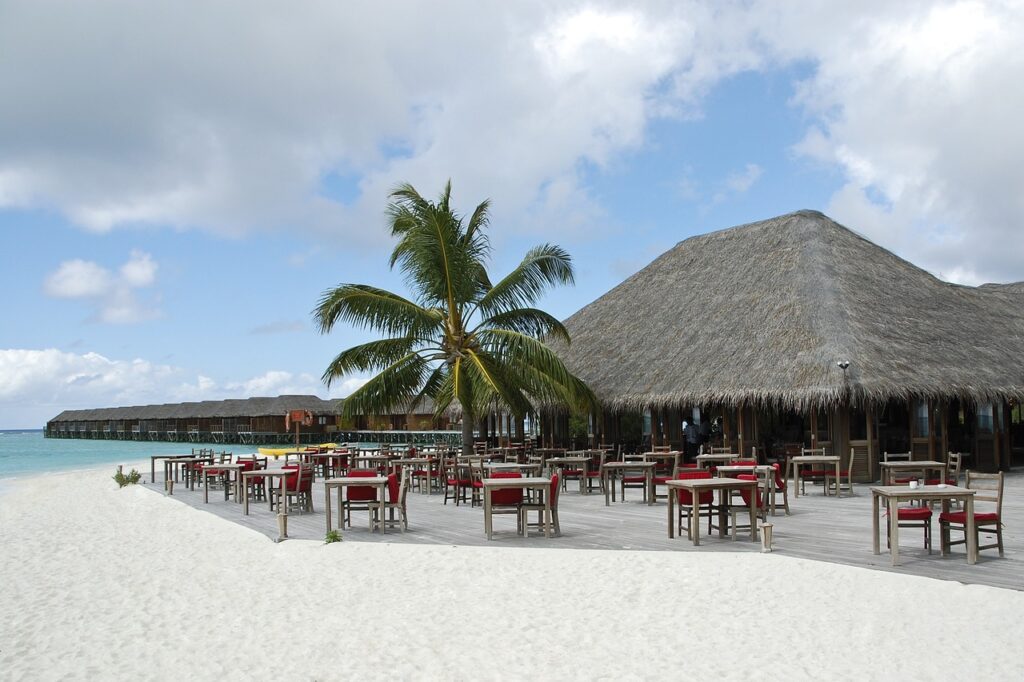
{"points": [[706, 461], [217, 470], [924, 466], [611, 467], [723, 486], [425, 462], [764, 472], [152, 464], [794, 466], [538, 483], [269, 473], [378, 482], [171, 467], [581, 462], [369, 460], [893, 494], [509, 466]]}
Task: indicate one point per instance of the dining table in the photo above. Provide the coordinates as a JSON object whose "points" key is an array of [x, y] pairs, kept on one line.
{"points": [[341, 482], [724, 486], [154, 458], [610, 469], [425, 464], [580, 464], [540, 485], [798, 460], [225, 470], [892, 495], [890, 469], [706, 461]]}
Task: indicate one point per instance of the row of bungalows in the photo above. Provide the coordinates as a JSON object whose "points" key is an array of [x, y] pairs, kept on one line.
{"points": [[797, 332], [256, 421]]}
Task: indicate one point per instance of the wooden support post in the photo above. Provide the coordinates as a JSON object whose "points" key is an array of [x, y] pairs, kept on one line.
{"points": [[872, 444]]}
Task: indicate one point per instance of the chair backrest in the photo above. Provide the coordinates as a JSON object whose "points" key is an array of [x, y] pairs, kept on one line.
{"points": [[509, 496], [851, 463], [954, 460], [685, 497], [661, 448], [745, 492], [224, 458], [397, 487], [362, 493], [896, 456], [779, 483], [301, 480], [720, 451], [812, 451], [989, 487], [554, 491]]}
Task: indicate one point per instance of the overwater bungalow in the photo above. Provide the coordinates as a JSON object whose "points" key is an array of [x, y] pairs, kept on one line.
{"points": [[797, 330], [255, 421]]}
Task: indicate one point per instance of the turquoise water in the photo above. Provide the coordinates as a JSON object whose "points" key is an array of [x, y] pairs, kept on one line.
{"points": [[24, 453]]}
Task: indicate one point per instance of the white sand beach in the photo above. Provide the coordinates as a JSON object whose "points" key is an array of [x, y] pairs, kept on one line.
{"points": [[102, 583]]}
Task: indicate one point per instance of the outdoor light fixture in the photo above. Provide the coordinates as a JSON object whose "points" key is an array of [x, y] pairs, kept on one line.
{"points": [[843, 364]]}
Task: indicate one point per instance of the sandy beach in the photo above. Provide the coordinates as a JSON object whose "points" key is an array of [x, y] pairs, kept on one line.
{"points": [[128, 584]]}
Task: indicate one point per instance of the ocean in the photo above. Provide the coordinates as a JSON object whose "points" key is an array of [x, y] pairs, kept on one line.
{"points": [[25, 453]]}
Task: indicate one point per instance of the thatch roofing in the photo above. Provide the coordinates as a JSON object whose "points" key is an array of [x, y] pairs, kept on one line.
{"points": [[208, 409], [762, 313]]}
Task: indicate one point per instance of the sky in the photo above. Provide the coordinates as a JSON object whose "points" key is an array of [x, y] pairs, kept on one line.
{"points": [[181, 181]]}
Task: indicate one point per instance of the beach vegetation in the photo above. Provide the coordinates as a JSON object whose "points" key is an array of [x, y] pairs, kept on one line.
{"points": [[461, 340], [332, 536], [123, 479]]}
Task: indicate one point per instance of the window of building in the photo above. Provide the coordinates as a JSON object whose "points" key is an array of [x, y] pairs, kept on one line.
{"points": [[985, 418], [921, 419]]}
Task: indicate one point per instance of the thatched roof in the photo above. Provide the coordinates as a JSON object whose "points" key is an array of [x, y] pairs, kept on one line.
{"points": [[762, 313], [208, 409]]}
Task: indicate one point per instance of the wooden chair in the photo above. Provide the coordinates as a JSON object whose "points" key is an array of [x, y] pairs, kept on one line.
{"points": [[632, 479], [735, 510], [810, 472], [456, 481], [847, 473], [507, 501], [397, 491], [688, 507], [476, 482], [953, 462], [915, 517], [665, 474], [899, 457], [299, 486], [778, 486], [990, 489], [594, 468], [538, 506], [359, 497]]}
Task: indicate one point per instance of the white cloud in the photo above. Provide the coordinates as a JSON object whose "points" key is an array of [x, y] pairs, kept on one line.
{"points": [[39, 384], [916, 103], [741, 181], [112, 295]]}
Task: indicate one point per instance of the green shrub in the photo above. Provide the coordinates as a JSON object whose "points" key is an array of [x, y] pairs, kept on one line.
{"points": [[333, 536], [131, 478]]}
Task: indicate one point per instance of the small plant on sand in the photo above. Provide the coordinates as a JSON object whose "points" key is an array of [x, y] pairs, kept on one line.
{"points": [[333, 536], [123, 479]]}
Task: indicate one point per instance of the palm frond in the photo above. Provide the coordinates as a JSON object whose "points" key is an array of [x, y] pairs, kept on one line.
{"points": [[364, 306], [372, 356], [391, 389], [543, 266], [530, 321]]}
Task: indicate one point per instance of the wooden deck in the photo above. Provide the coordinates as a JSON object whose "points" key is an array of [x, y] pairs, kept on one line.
{"points": [[820, 528]]}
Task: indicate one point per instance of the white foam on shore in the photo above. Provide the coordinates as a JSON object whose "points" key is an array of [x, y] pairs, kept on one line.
{"points": [[120, 584]]}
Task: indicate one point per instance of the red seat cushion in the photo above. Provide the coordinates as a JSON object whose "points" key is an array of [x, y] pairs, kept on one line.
{"points": [[685, 497], [634, 479], [508, 497], [914, 513], [393, 488], [362, 493], [960, 517]]}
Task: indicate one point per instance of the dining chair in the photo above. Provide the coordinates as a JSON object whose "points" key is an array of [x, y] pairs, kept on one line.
{"points": [[691, 508], [299, 485], [538, 506], [847, 473], [989, 488], [812, 472], [898, 457], [358, 497], [745, 494], [509, 500], [398, 489]]}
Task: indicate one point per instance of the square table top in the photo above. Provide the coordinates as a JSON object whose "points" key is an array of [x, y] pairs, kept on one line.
{"points": [[718, 456], [356, 480], [740, 468], [268, 472], [929, 463], [708, 483], [638, 464], [814, 458], [567, 460], [523, 482], [921, 491]]}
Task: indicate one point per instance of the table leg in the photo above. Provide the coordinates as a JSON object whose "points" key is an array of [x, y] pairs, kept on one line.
{"points": [[839, 485], [971, 530], [245, 500], [226, 476], [695, 517], [796, 479], [671, 509], [327, 506], [206, 487], [487, 512], [605, 482], [894, 529], [943, 535], [152, 469], [547, 515], [753, 516], [382, 496], [723, 511], [874, 523], [649, 482]]}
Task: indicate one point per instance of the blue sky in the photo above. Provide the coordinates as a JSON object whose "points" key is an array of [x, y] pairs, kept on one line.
{"points": [[168, 223]]}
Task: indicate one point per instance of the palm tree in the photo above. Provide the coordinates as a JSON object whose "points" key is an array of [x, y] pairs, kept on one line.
{"points": [[463, 339]]}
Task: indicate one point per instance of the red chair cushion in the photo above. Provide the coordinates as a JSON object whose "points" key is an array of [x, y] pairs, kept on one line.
{"points": [[554, 491], [960, 517], [393, 488], [685, 497], [745, 492], [362, 493], [914, 513], [508, 497]]}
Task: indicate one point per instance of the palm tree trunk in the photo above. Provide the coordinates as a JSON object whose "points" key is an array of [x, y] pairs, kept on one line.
{"points": [[467, 433]]}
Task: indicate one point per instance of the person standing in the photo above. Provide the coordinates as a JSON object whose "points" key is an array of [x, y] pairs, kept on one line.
{"points": [[692, 433]]}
